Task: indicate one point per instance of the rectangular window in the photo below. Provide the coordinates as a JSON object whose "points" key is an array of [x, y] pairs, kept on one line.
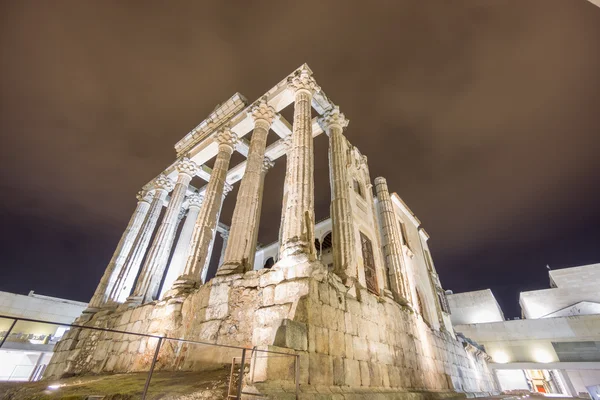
{"points": [[443, 301], [403, 233], [369, 261], [358, 189]]}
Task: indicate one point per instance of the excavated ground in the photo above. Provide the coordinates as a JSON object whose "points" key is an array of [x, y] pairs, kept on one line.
{"points": [[164, 386]]}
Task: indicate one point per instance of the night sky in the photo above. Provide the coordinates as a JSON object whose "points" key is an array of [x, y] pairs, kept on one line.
{"points": [[484, 116]]}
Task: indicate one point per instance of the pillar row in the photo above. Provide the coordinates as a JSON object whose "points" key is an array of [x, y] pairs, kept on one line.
{"points": [[146, 289], [206, 222], [122, 288]]}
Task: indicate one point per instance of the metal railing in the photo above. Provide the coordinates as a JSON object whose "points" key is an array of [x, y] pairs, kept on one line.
{"points": [[161, 340]]}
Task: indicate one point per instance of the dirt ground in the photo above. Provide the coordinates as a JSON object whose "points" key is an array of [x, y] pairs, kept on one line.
{"points": [[164, 386]]}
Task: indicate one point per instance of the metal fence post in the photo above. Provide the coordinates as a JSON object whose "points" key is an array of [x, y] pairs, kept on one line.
{"points": [[239, 386], [9, 331], [297, 375], [147, 385]]}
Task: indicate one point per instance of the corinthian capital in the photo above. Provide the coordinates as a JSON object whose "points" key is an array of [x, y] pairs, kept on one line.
{"points": [[227, 188], [144, 195], [163, 183], [333, 118], [195, 200], [303, 81], [263, 112], [267, 164], [187, 166], [227, 138]]}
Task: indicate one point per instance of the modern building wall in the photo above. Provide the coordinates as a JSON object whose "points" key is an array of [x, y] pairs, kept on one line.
{"points": [[30, 344], [475, 307], [570, 286]]}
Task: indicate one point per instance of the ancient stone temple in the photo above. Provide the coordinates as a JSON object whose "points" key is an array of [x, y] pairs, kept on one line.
{"points": [[357, 296]]}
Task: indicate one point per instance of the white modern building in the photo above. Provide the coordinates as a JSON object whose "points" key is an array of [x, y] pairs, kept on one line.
{"points": [[554, 348], [28, 348]]}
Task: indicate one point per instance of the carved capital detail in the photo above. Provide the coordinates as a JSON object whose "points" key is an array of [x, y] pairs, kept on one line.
{"points": [[187, 166], [195, 200], [263, 112], [163, 183], [226, 137], [287, 143], [227, 188], [144, 195], [267, 164], [303, 81], [333, 118]]}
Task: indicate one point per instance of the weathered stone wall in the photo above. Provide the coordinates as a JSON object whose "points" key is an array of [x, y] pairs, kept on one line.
{"points": [[345, 337]]}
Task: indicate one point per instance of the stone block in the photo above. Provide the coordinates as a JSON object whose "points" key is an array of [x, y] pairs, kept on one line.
{"points": [[365, 375], [360, 349], [339, 371], [321, 340], [219, 294], [208, 330], [320, 369], [268, 296], [219, 311], [292, 335], [287, 292], [352, 372], [273, 277], [349, 343], [324, 292], [272, 316], [353, 306], [337, 345]]}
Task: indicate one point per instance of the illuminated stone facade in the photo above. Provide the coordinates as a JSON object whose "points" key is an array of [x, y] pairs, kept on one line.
{"points": [[356, 296]]}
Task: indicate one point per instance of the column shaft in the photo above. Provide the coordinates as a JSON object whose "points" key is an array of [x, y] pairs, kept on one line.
{"points": [[392, 243], [241, 246], [209, 252], [102, 293], [344, 247], [206, 222], [126, 278], [182, 248], [299, 220]]}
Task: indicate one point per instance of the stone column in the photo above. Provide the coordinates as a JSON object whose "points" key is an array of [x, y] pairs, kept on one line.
{"points": [[182, 248], [206, 223], [146, 289], [267, 165], [122, 288], [392, 243], [287, 144], [240, 248], [225, 237], [102, 293], [344, 244], [226, 189], [299, 220]]}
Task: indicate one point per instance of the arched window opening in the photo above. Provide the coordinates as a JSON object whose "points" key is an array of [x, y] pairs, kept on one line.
{"points": [[269, 263]]}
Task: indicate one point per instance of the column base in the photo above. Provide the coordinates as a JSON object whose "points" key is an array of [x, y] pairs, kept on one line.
{"points": [[181, 288], [231, 269], [134, 301]]}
